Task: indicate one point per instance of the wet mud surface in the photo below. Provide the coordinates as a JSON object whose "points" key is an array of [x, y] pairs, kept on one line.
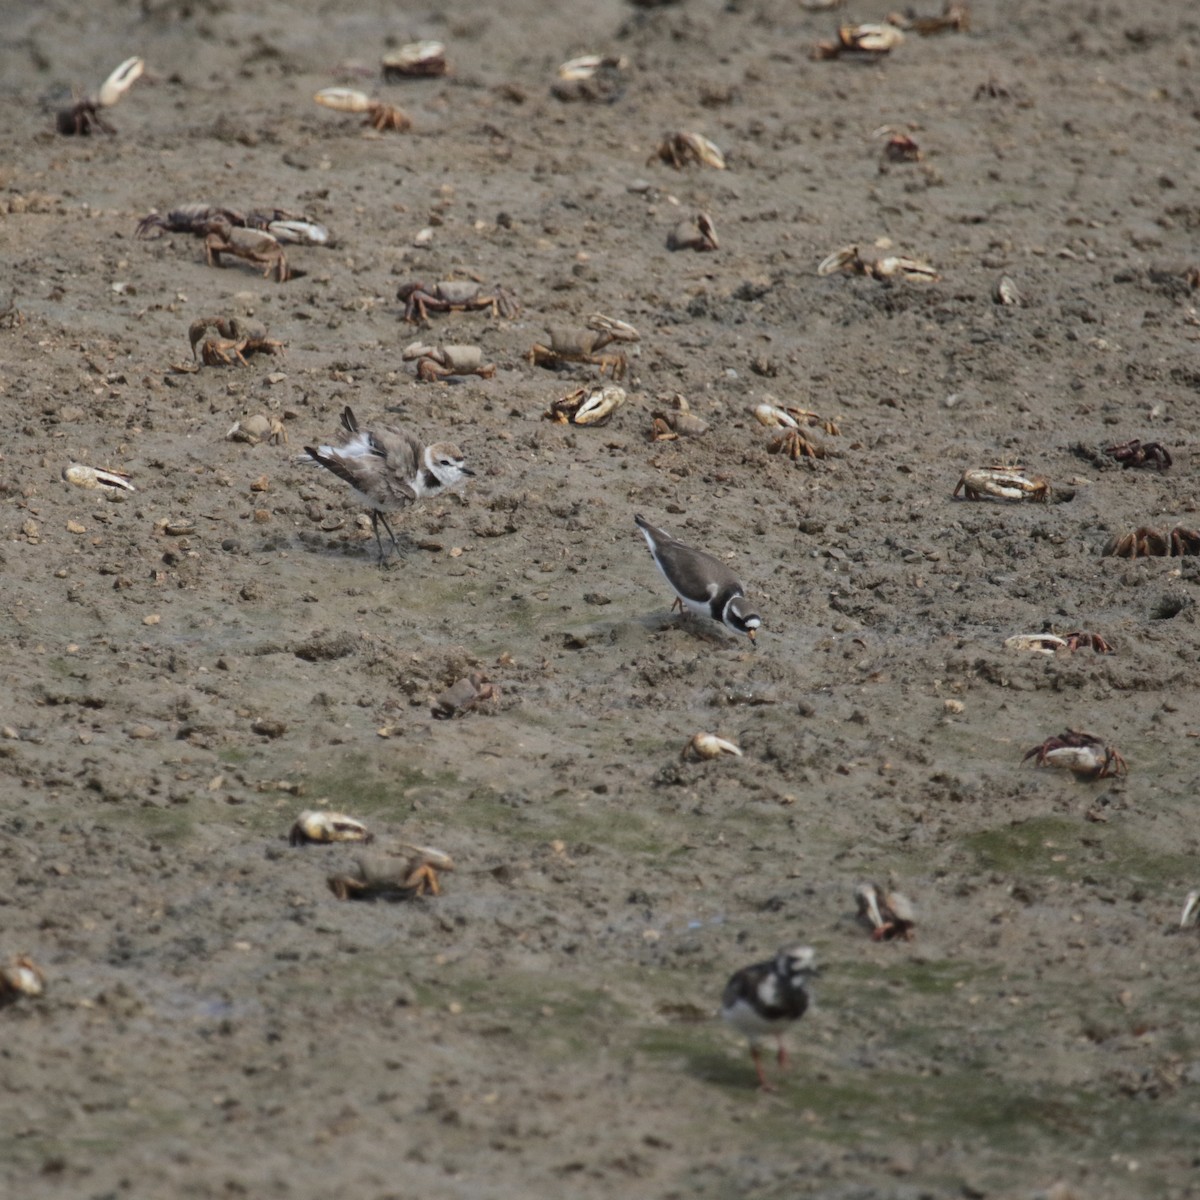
{"points": [[190, 665]]}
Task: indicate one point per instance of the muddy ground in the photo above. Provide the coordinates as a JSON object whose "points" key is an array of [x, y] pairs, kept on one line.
{"points": [[188, 666]]}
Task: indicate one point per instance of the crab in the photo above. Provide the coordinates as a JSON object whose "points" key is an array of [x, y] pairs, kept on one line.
{"points": [[254, 245], [326, 827], [421, 60], [1003, 483], [695, 233], [1145, 542], [708, 745], [791, 420], [237, 339], [955, 18], [1083, 754], [572, 345], [1051, 643], [1137, 453], [682, 149], [890, 914], [592, 405], [379, 115], [84, 115], [455, 295], [869, 41], [440, 362], [382, 877], [22, 977], [677, 423], [593, 78], [188, 218], [84, 475], [258, 428], [1006, 293], [465, 694], [900, 148], [877, 263]]}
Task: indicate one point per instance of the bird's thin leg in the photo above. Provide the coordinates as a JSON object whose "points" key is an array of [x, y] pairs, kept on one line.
{"points": [[783, 1054], [677, 606], [377, 519], [763, 1085]]}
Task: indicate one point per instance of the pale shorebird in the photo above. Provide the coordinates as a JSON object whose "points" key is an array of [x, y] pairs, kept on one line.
{"points": [[388, 469]]}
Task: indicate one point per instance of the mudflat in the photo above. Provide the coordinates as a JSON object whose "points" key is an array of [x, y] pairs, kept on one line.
{"points": [[190, 665]]}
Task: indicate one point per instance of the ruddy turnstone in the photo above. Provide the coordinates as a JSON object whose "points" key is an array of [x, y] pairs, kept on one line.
{"points": [[387, 469], [764, 999], [703, 584]]}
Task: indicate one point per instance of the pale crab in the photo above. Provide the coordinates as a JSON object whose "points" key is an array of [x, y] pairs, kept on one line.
{"points": [[704, 746], [465, 694], [569, 346], [694, 233], [254, 245], [258, 428], [379, 116], [416, 60], [682, 149], [676, 422], [22, 977], [866, 41], [1003, 483], [386, 877], [84, 115], [441, 362], [324, 827], [889, 913], [955, 18], [1051, 643], [1145, 542], [83, 475], [877, 262], [592, 405], [1083, 754], [235, 339], [455, 295], [792, 421]]}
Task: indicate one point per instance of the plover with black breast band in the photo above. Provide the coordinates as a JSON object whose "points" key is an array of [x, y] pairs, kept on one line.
{"points": [[389, 469], [764, 999], [703, 584]]}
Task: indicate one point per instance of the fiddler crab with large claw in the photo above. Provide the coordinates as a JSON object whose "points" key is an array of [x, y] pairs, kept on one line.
{"points": [[282, 225], [677, 421], [569, 346], [1137, 453], [1145, 542], [84, 115], [792, 420], [235, 339], [254, 245], [592, 405], [455, 295], [1051, 643], [865, 41], [1083, 754], [22, 977], [877, 262], [890, 914], [416, 60], [704, 746], [681, 149], [441, 362], [1002, 483], [324, 827], [379, 116], [384, 877]]}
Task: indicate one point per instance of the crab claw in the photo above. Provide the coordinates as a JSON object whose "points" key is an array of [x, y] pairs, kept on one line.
{"points": [[119, 82], [1191, 909]]}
